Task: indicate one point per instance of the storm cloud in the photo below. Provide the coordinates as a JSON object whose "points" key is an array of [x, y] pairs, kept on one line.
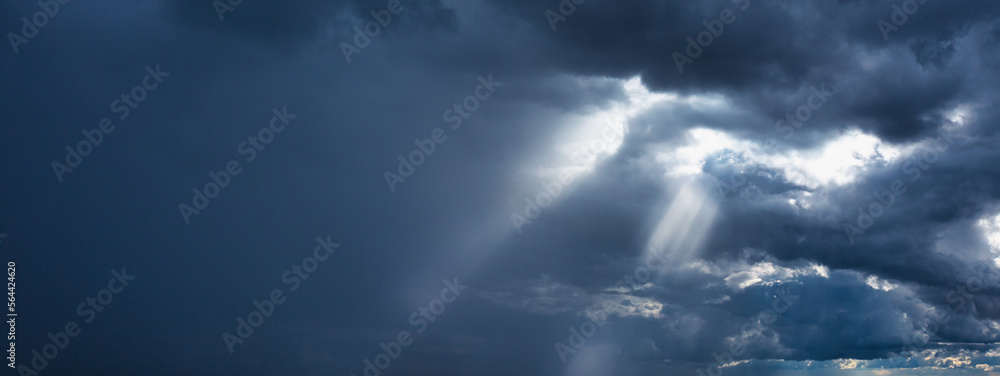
{"points": [[559, 187]]}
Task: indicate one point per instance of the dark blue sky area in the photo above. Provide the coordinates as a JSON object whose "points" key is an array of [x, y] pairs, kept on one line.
{"points": [[504, 187]]}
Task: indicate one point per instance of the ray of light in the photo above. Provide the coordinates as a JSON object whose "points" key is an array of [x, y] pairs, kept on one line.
{"points": [[682, 229]]}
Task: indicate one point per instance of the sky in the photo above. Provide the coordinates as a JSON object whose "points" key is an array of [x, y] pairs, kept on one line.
{"points": [[501, 187]]}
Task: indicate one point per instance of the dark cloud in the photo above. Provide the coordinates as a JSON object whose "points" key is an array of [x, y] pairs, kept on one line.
{"points": [[594, 115]]}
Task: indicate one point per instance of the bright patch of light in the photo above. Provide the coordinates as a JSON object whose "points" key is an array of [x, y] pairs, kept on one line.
{"points": [[683, 227], [689, 160], [593, 360], [599, 135], [960, 115], [954, 362], [741, 276], [641, 98], [879, 284], [838, 162], [736, 363], [991, 231], [742, 280], [821, 270], [848, 363]]}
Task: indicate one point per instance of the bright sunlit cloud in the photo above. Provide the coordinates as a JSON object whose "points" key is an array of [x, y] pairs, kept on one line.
{"points": [[990, 227], [596, 136], [839, 161]]}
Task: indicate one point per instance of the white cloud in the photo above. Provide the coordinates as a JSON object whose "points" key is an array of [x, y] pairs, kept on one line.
{"points": [[743, 275], [838, 162], [880, 284], [627, 306], [990, 227]]}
